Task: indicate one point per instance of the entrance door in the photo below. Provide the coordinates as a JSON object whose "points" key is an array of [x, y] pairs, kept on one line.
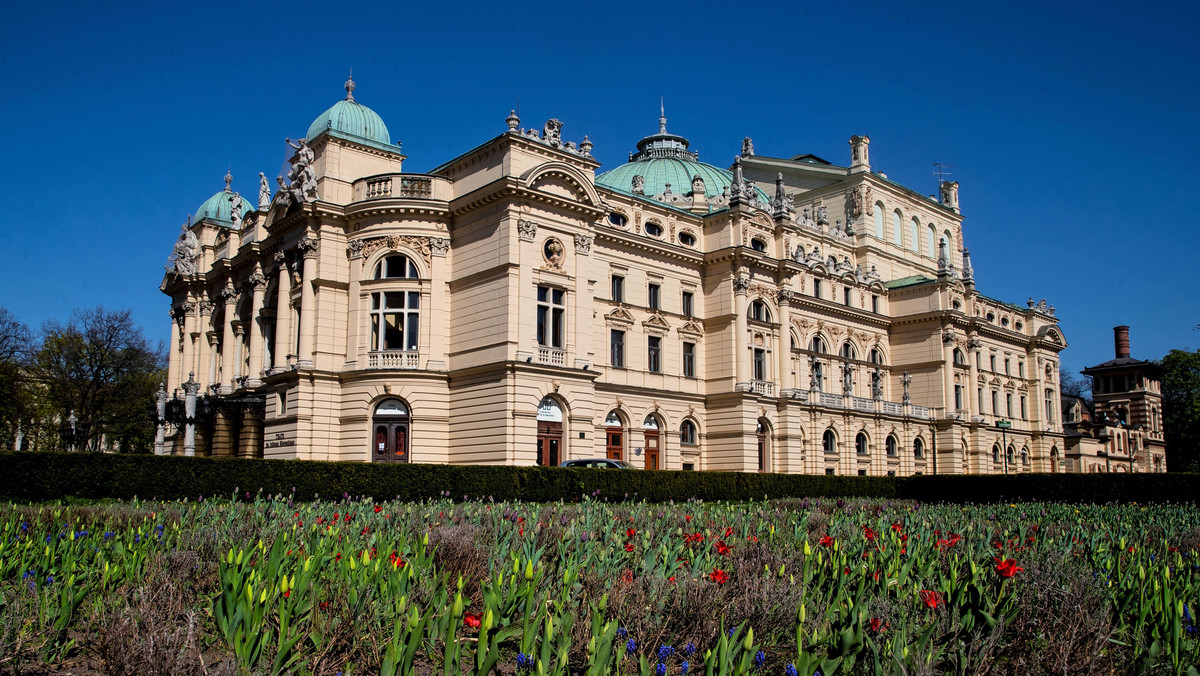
{"points": [[549, 441], [389, 436], [616, 441], [762, 447], [652, 449]]}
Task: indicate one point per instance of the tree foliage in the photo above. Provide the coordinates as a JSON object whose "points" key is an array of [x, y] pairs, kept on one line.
{"points": [[1075, 385], [101, 367], [1181, 410]]}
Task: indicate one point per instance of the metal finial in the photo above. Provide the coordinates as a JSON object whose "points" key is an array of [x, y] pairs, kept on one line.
{"points": [[513, 121], [228, 181], [350, 86], [662, 116]]}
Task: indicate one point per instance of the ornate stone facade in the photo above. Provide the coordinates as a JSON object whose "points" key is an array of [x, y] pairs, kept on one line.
{"points": [[695, 323]]}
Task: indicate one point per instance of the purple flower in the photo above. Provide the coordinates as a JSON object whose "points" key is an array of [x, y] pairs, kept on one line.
{"points": [[683, 668], [689, 649], [661, 669], [630, 646], [790, 670], [759, 658]]}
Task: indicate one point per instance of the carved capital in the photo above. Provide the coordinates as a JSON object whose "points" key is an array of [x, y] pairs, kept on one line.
{"points": [[206, 307], [187, 308], [280, 257], [583, 244], [439, 246], [947, 337], [257, 280], [785, 296], [308, 245], [354, 248], [228, 294], [741, 285], [526, 230]]}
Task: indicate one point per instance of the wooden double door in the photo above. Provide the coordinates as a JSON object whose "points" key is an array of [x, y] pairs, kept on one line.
{"points": [[549, 443], [390, 442]]}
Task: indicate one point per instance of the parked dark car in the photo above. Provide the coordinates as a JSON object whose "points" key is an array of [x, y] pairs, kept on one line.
{"points": [[600, 463]]}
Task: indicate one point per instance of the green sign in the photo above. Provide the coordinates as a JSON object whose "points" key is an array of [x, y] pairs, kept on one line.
{"points": [[1004, 424]]}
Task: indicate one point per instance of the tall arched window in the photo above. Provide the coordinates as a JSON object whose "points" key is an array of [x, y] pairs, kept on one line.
{"points": [[918, 448], [860, 444], [897, 230], [959, 358], [949, 243], [817, 344], [829, 442], [848, 351], [395, 312], [759, 311], [914, 236], [687, 433], [996, 453], [390, 440], [879, 221], [397, 266], [892, 447], [931, 242], [875, 356]]}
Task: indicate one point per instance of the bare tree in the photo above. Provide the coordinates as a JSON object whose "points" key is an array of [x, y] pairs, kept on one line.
{"points": [[1075, 385], [100, 367], [16, 342]]}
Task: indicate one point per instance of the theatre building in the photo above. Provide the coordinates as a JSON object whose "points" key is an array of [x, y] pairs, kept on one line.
{"points": [[520, 304]]}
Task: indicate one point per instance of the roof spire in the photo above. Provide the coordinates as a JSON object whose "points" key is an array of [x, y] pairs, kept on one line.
{"points": [[228, 181], [350, 87], [662, 116]]}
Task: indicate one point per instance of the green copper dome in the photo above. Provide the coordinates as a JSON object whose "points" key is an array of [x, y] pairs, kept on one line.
{"points": [[350, 117], [663, 159], [219, 207]]}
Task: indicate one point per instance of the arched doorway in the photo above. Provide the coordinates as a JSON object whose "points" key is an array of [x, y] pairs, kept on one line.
{"points": [[614, 444], [650, 428], [391, 422], [1054, 461], [549, 433]]}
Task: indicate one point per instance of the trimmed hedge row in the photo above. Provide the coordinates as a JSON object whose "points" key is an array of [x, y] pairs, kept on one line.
{"points": [[36, 477]]}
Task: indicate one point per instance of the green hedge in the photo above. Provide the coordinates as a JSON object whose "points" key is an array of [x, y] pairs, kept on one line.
{"points": [[35, 477]]}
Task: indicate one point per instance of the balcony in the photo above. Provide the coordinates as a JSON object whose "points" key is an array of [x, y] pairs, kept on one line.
{"points": [[765, 388], [401, 186], [393, 360], [893, 408], [860, 404], [920, 412], [829, 399], [552, 356]]}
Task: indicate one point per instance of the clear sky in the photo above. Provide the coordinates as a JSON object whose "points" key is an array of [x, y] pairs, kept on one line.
{"points": [[1072, 128]]}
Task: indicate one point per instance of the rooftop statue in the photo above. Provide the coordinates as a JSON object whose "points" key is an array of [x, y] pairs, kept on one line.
{"points": [[182, 260]]}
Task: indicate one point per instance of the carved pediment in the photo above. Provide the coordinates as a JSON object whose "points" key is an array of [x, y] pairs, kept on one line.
{"points": [[656, 324], [619, 314], [693, 328]]}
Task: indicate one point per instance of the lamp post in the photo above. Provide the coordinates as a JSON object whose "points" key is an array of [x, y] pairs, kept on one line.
{"points": [[71, 422], [1005, 426]]}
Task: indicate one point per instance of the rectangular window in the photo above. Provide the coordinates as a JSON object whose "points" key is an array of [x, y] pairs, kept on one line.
{"points": [[689, 302], [616, 357], [816, 288], [654, 354], [395, 320], [1020, 369], [618, 289], [652, 294], [995, 403], [862, 472], [1007, 363], [846, 291], [981, 401], [1008, 405], [992, 363], [875, 304], [828, 471], [689, 360], [760, 364], [958, 397], [551, 312]]}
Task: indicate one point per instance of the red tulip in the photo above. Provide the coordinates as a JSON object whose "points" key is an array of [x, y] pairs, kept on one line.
{"points": [[827, 541], [631, 532], [1007, 567], [378, 509], [629, 547], [722, 548], [931, 599], [472, 619], [719, 576]]}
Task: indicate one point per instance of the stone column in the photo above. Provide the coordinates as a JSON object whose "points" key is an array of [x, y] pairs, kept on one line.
{"points": [[207, 341], [175, 363], [308, 307], [783, 343], [258, 283], [239, 362], [229, 299], [190, 338], [283, 314], [741, 362], [354, 250], [160, 425], [250, 444], [190, 389], [948, 344], [212, 358]]}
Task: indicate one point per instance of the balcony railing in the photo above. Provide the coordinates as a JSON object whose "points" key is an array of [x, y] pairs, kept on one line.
{"points": [[829, 399], [920, 412], [552, 356], [401, 186], [764, 387], [393, 359], [860, 404], [893, 408]]}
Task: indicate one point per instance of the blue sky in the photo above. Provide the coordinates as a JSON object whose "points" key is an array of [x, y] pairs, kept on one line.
{"points": [[1070, 127]]}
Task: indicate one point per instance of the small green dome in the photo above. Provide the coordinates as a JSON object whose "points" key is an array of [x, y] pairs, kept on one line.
{"points": [[219, 207], [353, 118], [663, 159]]}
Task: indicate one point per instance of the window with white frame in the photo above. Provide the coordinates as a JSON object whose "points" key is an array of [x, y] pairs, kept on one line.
{"points": [[551, 314], [395, 320]]}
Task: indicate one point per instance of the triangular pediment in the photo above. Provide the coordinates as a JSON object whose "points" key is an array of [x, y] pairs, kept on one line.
{"points": [[693, 328], [656, 322], [619, 314]]}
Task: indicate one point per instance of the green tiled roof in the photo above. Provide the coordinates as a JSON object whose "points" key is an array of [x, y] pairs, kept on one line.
{"points": [[218, 208], [350, 117], [911, 280]]}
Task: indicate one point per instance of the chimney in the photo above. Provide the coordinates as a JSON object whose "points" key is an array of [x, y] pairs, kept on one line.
{"points": [[1121, 339]]}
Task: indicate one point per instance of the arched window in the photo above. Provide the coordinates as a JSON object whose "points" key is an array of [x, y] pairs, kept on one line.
{"points": [[817, 344], [848, 351], [758, 244], [1008, 454], [759, 311], [918, 448], [996, 453], [654, 229], [914, 236], [891, 447], [829, 442], [1024, 456], [390, 440], [959, 358], [949, 242], [860, 444], [687, 239], [875, 356], [931, 242], [879, 221], [897, 231], [397, 266], [687, 433], [617, 219]]}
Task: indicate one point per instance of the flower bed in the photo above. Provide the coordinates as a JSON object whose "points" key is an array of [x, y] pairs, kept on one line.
{"points": [[780, 587]]}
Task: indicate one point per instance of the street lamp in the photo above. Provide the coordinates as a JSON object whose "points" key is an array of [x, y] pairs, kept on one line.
{"points": [[71, 421]]}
